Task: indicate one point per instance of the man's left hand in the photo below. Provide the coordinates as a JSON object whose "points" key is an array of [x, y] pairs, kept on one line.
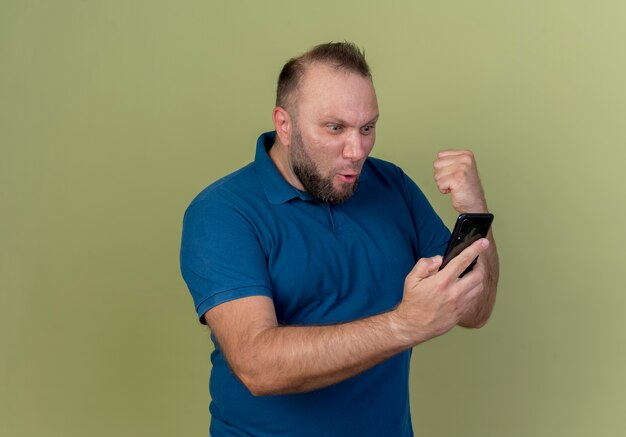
{"points": [[456, 174]]}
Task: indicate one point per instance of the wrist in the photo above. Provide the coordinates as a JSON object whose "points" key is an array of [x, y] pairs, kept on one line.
{"points": [[478, 207], [399, 329]]}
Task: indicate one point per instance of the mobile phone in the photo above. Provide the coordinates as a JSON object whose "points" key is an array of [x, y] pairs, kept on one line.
{"points": [[468, 229]]}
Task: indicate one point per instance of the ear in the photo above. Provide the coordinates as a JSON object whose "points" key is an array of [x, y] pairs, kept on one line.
{"points": [[282, 125]]}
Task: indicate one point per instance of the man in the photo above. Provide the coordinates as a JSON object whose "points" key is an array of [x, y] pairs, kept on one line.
{"points": [[316, 267]]}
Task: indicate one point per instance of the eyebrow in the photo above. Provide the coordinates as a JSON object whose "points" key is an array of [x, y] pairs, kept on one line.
{"points": [[343, 122]]}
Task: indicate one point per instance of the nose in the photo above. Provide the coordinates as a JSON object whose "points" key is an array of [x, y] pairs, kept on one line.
{"points": [[355, 147]]}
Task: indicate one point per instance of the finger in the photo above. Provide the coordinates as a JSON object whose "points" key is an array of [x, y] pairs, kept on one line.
{"points": [[473, 278], [448, 183], [453, 161], [426, 267], [444, 189], [444, 186], [468, 288], [454, 152], [452, 172], [463, 293], [458, 265]]}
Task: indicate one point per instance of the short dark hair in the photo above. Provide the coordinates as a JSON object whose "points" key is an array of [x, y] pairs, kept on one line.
{"points": [[345, 56]]}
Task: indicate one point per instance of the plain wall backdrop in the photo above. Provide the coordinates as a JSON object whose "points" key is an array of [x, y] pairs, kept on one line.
{"points": [[114, 114]]}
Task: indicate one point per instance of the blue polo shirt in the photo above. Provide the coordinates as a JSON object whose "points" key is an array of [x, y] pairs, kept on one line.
{"points": [[252, 233]]}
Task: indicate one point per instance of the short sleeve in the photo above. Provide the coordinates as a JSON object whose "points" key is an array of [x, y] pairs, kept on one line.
{"points": [[432, 234], [221, 258]]}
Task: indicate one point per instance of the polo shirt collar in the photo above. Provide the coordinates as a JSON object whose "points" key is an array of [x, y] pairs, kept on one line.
{"points": [[276, 188]]}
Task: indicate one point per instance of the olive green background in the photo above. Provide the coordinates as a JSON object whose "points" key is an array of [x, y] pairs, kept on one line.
{"points": [[114, 114]]}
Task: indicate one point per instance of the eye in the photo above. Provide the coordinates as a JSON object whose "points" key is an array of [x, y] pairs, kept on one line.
{"points": [[368, 129], [335, 128]]}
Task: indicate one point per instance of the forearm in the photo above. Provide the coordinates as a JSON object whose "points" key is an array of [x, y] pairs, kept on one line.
{"points": [[293, 359], [480, 312]]}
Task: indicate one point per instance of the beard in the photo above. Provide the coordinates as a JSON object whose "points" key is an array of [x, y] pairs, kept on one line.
{"points": [[320, 187]]}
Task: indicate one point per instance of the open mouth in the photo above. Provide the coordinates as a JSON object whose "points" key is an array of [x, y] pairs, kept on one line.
{"points": [[348, 178]]}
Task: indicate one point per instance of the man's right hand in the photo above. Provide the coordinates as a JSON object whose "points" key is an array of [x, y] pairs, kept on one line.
{"points": [[435, 301]]}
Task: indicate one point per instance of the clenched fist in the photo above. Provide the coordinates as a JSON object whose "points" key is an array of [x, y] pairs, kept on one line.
{"points": [[456, 174]]}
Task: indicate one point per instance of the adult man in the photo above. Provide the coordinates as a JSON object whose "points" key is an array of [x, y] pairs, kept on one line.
{"points": [[303, 264]]}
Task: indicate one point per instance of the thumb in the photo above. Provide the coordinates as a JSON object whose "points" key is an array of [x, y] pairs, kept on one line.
{"points": [[426, 267]]}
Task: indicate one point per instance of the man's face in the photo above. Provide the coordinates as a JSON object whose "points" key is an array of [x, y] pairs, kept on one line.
{"points": [[332, 131]]}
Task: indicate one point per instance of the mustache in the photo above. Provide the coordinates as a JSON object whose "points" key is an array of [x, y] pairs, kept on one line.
{"points": [[355, 169]]}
